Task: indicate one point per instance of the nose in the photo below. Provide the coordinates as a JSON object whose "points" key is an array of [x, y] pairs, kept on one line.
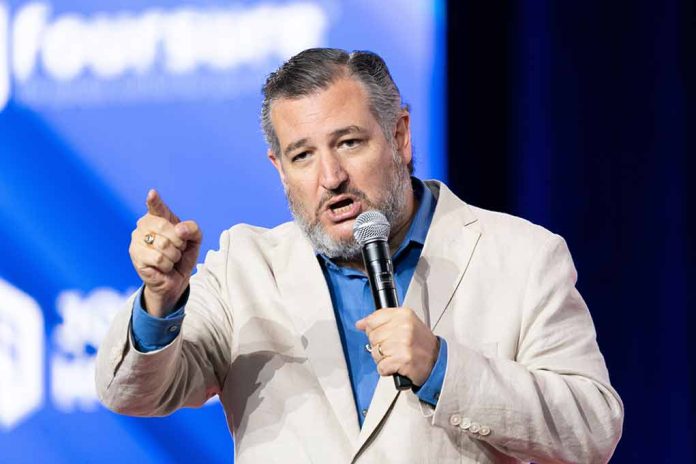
{"points": [[332, 173]]}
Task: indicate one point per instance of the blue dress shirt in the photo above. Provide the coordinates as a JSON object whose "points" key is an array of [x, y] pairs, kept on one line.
{"points": [[352, 300]]}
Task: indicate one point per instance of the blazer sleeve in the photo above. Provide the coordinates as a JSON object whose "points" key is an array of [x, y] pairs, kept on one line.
{"points": [[186, 372], [554, 402]]}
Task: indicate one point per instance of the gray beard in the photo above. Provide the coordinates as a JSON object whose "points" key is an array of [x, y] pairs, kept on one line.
{"points": [[392, 205]]}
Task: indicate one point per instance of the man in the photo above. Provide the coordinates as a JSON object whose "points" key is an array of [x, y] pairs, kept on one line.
{"points": [[498, 343]]}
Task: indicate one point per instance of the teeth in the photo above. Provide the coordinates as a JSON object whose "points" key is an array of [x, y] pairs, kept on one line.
{"points": [[343, 209]]}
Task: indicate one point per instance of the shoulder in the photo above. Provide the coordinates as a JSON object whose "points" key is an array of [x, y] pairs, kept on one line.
{"points": [[511, 228], [246, 247], [246, 237], [506, 233]]}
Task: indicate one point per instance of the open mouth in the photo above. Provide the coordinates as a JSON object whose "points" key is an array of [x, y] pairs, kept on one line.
{"points": [[341, 206]]}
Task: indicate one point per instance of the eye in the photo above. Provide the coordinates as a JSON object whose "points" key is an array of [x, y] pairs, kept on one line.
{"points": [[349, 143], [299, 156]]}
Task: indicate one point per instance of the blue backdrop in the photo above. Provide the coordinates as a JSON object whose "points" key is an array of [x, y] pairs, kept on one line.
{"points": [[99, 101]]}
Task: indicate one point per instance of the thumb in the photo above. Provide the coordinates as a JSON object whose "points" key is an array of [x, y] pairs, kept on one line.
{"points": [[157, 207], [189, 231], [361, 324], [192, 235]]}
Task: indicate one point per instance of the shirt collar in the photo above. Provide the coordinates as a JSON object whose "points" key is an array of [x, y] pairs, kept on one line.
{"points": [[420, 224]]}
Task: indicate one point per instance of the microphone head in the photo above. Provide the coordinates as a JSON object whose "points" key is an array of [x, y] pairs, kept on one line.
{"points": [[370, 226]]}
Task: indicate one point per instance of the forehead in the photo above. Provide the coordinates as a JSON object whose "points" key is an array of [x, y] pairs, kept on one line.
{"points": [[342, 104]]}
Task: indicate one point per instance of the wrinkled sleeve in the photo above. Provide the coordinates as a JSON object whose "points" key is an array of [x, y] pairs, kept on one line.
{"points": [[185, 372]]}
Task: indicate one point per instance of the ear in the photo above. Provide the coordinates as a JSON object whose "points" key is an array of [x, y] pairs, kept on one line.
{"points": [[276, 164], [402, 137]]}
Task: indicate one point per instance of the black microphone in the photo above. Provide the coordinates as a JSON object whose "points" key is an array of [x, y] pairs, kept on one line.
{"points": [[371, 231]]}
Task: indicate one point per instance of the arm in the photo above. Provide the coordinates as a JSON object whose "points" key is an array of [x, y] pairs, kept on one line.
{"points": [[191, 368], [554, 402], [186, 372]]}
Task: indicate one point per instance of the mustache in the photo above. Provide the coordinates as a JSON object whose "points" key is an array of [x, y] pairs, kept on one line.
{"points": [[341, 190]]}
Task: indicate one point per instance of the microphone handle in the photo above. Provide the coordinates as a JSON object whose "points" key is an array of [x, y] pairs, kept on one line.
{"points": [[380, 272]]}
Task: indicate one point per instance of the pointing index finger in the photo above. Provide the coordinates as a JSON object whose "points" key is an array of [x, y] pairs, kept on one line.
{"points": [[157, 207]]}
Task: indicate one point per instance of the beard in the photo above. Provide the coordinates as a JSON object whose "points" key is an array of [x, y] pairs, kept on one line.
{"points": [[392, 204]]}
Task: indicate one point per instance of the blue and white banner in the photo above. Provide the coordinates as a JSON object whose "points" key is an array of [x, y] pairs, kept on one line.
{"points": [[100, 101]]}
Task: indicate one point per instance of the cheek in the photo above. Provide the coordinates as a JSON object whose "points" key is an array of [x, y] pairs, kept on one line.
{"points": [[371, 178], [301, 194]]}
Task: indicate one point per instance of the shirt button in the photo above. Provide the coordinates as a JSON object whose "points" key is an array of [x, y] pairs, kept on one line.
{"points": [[475, 428], [173, 328], [364, 412], [466, 423], [368, 348], [455, 419], [485, 430]]}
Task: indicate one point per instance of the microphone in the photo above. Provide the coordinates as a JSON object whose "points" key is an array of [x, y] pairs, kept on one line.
{"points": [[371, 231]]}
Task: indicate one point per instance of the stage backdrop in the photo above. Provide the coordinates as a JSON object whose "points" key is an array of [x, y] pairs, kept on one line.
{"points": [[581, 116], [100, 101]]}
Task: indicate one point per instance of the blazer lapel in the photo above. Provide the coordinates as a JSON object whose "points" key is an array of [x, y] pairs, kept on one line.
{"points": [[306, 296], [448, 248]]}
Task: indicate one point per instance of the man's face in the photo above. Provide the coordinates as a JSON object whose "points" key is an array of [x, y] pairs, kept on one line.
{"points": [[335, 163]]}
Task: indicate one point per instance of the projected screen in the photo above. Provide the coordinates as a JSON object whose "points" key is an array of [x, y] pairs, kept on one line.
{"points": [[100, 101]]}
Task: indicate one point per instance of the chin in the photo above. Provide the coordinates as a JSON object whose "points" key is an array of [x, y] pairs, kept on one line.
{"points": [[342, 232]]}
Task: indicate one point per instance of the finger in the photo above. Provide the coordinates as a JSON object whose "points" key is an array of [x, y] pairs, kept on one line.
{"points": [[192, 236], [381, 334], [375, 319], [166, 247], [384, 349], [189, 231], [388, 366], [149, 257], [151, 276], [157, 207], [161, 243], [378, 353], [157, 226]]}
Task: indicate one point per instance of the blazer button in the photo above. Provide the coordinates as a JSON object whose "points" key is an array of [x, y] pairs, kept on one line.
{"points": [[466, 423], [475, 427], [485, 430], [455, 419]]}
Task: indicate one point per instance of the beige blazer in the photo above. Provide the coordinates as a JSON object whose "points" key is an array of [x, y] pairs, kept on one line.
{"points": [[525, 380]]}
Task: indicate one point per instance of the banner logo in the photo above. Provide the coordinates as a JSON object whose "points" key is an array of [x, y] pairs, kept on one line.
{"points": [[21, 355], [76, 59], [85, 321]]}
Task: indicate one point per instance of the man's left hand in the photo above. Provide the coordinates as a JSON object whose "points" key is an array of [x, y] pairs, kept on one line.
{"points": [[401, 343]]}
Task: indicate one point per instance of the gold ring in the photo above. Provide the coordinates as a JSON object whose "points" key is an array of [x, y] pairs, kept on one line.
{"points": [[149, 239], [379, 350]]}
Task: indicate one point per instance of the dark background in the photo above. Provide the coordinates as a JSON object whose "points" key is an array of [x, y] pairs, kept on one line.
{"points": [[580, 116]]}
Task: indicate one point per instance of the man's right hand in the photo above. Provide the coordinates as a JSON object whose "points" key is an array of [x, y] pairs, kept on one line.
{"points": [[163, 250]]}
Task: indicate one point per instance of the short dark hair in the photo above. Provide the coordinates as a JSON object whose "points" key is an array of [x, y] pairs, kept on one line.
{"points": [[316, 68]]}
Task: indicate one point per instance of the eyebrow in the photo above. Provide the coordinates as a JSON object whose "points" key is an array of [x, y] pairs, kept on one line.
{"points": [[296, 144], [353, 129], [347, 130]]}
